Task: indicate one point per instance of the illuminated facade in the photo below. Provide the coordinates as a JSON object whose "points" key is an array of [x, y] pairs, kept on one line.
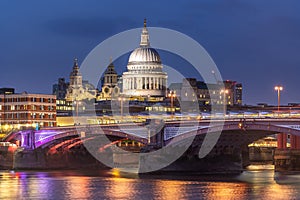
{"points": [[110, 84], [76, 89], [144, 76], [19, 110], [192, 90], [73, 93]]}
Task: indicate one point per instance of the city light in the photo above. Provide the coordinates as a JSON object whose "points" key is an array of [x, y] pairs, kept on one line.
{"points": [[278, 89], [172, 95], [224, 92]]}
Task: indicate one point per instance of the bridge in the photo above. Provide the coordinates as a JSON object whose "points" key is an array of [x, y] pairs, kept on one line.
{"points": [[235, 135]]}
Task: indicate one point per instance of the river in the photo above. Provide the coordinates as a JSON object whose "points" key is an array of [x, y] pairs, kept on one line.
{"points": [[255, 183]]}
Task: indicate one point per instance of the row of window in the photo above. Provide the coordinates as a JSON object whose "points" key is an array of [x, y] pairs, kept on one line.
{"points": [[27, 116], [27, 99], [26, 107]]}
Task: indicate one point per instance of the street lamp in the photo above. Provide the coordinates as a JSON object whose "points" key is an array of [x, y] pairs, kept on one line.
{"points": [[172, 95], [278, 89]]}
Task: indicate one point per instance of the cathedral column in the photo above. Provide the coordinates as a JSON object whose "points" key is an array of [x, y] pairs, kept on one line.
{"points": [[139, 83], [160, 83], [153, 83], [124, 84], [136, 83], [159, 87], [150, 83], [128, 80], [130, 83]]}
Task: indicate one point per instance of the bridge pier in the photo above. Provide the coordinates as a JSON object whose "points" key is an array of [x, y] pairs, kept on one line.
{"points": [[295, 142], [281, 141], [29, 159], [287, 159]]}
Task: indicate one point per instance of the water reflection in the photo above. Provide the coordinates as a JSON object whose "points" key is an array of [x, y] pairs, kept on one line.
{"points": [[115, 185], [165, 189]]}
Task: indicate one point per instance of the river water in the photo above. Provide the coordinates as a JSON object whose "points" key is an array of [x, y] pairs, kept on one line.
{"points": [[256, 183]]}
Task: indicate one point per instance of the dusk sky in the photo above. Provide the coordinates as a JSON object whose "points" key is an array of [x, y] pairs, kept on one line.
{"points": [[253, 42]]}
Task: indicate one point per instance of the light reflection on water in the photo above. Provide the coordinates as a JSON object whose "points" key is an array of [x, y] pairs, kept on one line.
{"points": [[256, 184]]}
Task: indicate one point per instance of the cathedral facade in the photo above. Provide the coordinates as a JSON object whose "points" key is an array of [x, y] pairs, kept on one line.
{"points": [[144, 76], [110, 87], [76, 89]]}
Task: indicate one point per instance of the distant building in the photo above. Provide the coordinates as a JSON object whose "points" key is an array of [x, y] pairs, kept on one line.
{"points": [[7, 90], [192, 90], [60, 89], [72, 93], [234, 89], [76, 90], [19, 110]]}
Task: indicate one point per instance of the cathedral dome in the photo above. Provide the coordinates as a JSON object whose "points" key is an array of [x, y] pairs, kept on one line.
{"points": [[144, 54], [144, 76]]}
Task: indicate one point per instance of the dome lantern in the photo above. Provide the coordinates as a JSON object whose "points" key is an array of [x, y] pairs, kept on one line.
{"points": [[145, 36]]}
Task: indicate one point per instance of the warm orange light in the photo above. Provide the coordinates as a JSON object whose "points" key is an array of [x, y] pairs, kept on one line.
{"points": [[224, 91], [172, 94], [278, 88]]}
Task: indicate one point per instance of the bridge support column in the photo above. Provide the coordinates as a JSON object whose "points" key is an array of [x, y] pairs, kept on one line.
{"points": [[293, 141], [28, 140], [298, 142], [287, 159], [281, 141]]}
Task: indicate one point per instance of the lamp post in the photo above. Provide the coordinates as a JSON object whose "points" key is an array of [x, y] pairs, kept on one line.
{"points": [[278, 89], [172, 95]]}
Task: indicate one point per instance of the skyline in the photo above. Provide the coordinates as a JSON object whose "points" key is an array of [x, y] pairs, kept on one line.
{"points": [[250, 42]]}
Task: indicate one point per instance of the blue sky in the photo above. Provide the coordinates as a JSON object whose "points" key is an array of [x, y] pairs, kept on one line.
{"points": [[254, 42]]}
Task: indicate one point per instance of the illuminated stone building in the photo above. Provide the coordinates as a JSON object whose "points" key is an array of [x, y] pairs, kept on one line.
{"points": [[72, 93], [110, 86], [76, 90], [144, 76]]}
